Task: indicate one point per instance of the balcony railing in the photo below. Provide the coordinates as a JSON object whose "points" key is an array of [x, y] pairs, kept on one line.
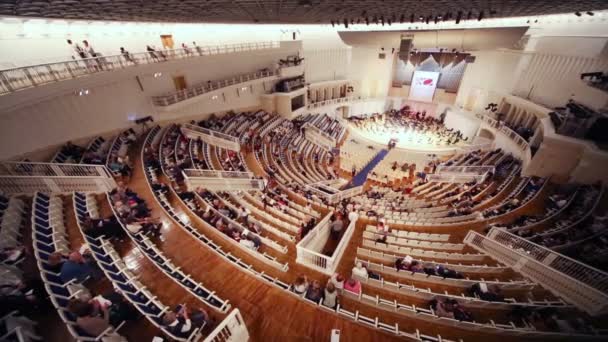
{"points": [[578, 283], [202, 88], [521, 142], [12, 80]]}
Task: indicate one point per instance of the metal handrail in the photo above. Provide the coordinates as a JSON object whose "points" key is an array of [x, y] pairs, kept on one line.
{"points": [[170, 98], [15, 79]]}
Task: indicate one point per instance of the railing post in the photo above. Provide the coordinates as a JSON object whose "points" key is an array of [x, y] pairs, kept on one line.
{"points": [[7, 84], [29, 76]]}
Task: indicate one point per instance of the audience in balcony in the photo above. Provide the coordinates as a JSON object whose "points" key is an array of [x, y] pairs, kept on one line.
{"points": [[487, 293], [79, 267], [353, 285], [182, 321]]}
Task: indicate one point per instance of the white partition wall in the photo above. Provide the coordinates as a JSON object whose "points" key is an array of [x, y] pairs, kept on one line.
{"points": [[221, 180]]}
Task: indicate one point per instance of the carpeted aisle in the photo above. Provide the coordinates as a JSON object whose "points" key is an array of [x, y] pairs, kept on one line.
{"points": [[360, 177]]}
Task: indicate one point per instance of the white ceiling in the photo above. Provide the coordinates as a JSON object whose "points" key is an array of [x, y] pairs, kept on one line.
{"points": [[291, 11]]}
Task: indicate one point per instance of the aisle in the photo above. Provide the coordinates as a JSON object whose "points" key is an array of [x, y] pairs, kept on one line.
{"points": [[361, 177]]}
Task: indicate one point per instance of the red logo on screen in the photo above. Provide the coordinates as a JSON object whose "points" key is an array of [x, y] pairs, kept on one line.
{"points": [[424, 82]]}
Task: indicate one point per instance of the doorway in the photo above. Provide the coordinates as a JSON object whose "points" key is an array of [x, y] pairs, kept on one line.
{"points": [[180, 82], [167, 41]]}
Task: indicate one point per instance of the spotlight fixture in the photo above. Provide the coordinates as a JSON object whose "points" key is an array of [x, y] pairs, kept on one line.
{"points": [[527, 22], [375, 20], [389, 22], [366, 21], [453, 50], [458, 16], [346, 23], [401, 19], [590, 13], [358, 20], [412, 18], [536, 20], [480, 17], [578, 14], [436, 19], [469, 15], [428, 19], [333, 23], [382, 20], [382, 48]]}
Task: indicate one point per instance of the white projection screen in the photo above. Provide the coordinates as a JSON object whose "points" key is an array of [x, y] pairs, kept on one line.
{"points": [[423, 86]]}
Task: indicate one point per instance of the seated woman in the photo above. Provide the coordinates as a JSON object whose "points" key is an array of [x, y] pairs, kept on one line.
{"points": [[300, 285], [92, 317], [330, 295], [353, 285], [314, 292]]}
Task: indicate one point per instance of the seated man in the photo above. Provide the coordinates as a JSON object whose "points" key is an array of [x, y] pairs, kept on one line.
{"points": [[181, 323], [78, 268]]}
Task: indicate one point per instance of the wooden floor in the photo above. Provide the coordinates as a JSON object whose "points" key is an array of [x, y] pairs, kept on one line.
{"points": [[271, 314]]}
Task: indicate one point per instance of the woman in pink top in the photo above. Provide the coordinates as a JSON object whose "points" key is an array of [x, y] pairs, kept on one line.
{"points": [[353, 285]]}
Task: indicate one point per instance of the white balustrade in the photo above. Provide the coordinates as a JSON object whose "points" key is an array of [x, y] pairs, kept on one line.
{"points": [[309, 248], [211, 137], [580, 284], [231, 329], [318, 137], [25, 77], [28, 178], [221, 180]]}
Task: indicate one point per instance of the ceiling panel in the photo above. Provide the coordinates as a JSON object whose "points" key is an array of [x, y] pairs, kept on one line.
{"points": [[290, 11]]}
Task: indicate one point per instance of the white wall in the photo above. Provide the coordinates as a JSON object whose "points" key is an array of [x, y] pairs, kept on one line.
{"points": [[371, 74], [492, 71], [466, 123]]}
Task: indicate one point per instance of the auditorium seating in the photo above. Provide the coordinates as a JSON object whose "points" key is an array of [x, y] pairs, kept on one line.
{"points": [[273, 146]]}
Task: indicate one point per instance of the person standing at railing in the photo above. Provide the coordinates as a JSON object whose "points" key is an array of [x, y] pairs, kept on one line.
{"points": [[92, 54], [152, 53], [76, 48], [186, 49], [128, 57], [198, 48]]}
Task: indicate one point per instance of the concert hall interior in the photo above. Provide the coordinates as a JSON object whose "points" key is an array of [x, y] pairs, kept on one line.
{"points": [[303, 170]]}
